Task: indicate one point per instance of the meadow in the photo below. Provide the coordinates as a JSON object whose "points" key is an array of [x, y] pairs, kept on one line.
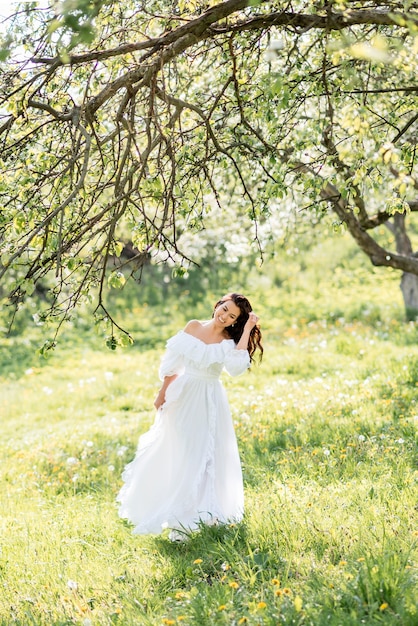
{"points": [[327, 431]]}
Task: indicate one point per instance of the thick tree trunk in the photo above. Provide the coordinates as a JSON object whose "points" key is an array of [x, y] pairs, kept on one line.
{"points": [[409, 288], [409, 282]]}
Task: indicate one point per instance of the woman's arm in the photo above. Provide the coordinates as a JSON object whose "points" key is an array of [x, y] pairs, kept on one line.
{"points": [[249, 325], [160, 399]]}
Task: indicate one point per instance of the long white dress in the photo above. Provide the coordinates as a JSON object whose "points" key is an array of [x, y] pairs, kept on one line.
{"points": [[187, 468]]}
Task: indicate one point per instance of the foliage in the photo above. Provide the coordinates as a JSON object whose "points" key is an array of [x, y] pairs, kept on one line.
{"points": [[327, 429], [125, 128]]}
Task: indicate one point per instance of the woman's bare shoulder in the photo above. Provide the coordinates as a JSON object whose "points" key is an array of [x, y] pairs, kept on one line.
{"points": [[192, 326]]}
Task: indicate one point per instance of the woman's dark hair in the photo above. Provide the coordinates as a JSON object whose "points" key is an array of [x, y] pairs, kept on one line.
{"points": [[235, 331]]}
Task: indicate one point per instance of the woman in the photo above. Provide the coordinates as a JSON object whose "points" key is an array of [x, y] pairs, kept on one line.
{"points": [[187, 469]]}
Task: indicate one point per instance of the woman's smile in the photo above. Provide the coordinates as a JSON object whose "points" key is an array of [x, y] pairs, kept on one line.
{"points": [[227, 313]]}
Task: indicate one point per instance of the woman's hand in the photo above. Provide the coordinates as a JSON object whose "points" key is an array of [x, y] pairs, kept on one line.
{"points": [[252, 321], [160, 399]]}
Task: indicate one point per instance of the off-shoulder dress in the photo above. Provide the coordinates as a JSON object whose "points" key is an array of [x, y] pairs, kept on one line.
{"points": [[187, 468]]}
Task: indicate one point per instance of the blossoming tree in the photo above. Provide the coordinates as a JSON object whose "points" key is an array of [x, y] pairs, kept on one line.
{"points": [[130, 121]]}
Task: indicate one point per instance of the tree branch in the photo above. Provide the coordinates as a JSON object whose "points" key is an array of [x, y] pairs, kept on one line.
{"points": [[331, 21], [56, 211]]}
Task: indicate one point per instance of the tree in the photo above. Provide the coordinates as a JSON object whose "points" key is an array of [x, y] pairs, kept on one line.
{"points": [[126, 121]]}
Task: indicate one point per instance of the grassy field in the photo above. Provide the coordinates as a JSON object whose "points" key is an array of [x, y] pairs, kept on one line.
{"points": [[327, 429]]}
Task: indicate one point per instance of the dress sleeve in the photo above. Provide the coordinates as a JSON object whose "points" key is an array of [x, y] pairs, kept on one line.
{"points": [[236, 362], [172, 361]]}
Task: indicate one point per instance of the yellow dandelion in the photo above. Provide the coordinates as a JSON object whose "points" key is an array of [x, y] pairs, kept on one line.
{"points": [[342, 563], [168, 622], [275, 581], [197, 561], [287, 591], [361, 559], [118, 610], [383, 606], [222, 607], [278, 592], [261, 605], [233, 584], [180, 595], [181, 618], [243, 620]]}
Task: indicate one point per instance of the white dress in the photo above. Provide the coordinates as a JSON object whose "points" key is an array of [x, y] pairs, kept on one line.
{"points": [[187, 468]]}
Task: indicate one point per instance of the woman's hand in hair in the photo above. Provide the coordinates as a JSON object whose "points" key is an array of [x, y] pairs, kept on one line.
{"points": [[252, 321]]}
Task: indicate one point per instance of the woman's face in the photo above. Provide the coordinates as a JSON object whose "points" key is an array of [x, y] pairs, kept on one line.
{"points": [[227, 313]]}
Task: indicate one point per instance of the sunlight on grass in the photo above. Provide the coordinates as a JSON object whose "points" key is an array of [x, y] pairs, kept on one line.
{"points": [[327, 429]]}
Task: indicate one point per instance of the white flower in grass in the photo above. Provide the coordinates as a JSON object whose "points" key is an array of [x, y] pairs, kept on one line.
{"points": [[326, 452], [72, 460], [47, 390], [400, 440], [108, 375], [361, 438], [72, 584]]}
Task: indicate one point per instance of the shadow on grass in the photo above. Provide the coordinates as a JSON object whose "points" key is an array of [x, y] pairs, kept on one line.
{"points": [[213, 555], [20, 353]]}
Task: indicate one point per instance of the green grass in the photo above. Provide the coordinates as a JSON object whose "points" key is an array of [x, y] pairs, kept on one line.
{"points": [[327, 429]]}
